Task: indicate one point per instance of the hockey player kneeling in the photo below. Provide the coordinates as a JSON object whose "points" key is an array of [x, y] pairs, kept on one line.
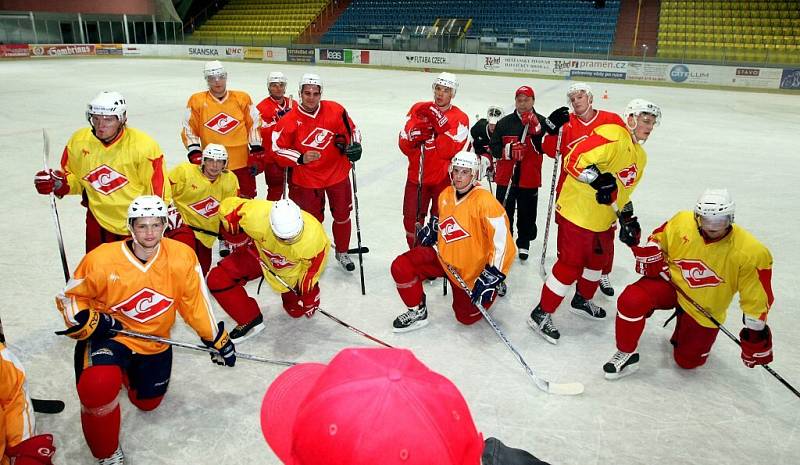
{"points": [[709, 259], [472, 236], [138, 285]]}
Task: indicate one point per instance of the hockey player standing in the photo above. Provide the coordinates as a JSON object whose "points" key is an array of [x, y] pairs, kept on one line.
{"points": [[273, 237], [434, 132], [272, 109], [710, 259], [138, 285], [225, 117], [582, 121], [481, 133], [109, 164], [603, 171], [472, 235], [519, 162], [319, 146], [197, 192]]}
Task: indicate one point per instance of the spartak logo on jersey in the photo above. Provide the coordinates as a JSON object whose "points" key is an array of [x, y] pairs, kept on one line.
{"points": [[318, 139], [278, 261], [698, 274], [144, 305], [452, 231], [105, 180], [206, 208], [627, 176], [222, 123]]}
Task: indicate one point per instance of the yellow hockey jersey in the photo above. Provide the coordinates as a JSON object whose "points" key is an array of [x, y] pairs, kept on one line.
{"points": [[300, 264], [233, 122], [142, 296], [712, 272], [17, 421], [473, 233], [112, 175], [611, 148], [197, 198]]}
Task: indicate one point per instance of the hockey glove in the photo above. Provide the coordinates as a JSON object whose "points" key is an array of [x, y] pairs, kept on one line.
{"points": [[629, 230], [309, 302], [429, 234], [529, 119], [353, 151], [234, 242], [257, 161], [435, 117], [606, 187], [485, 288], [649, 261], [174, 218], [195, 155], [50, 181], [37, 450], [226, 352], [340, 141], [557, 118], [419, 134], [92, 324], [756, 346]]}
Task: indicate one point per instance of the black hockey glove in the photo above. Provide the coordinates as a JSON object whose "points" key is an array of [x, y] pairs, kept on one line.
{"points": [[557, 118], [606, 187], [428, 234], [225, 351], [486, 285], [353, 151], [630, 233], [92, 324]]}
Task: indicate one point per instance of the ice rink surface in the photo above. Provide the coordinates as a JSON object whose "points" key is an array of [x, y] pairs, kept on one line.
{"points": [[721, 413]]}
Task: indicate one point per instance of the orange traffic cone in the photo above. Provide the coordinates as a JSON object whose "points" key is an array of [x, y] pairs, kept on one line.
{"points": [[605, 95]]}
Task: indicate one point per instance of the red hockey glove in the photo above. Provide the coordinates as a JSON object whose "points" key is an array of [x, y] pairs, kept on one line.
{"points": [[257, 161], [418, 135], [233, 241], [309, 302], [529, 119], [51, 181], [174, 218], [37, 450], [756, 346], [649, 260], [435, 117], [92, 324], [225, 351], [195, 155]]}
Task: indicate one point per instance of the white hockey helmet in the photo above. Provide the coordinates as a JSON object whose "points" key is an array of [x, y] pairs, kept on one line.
{"points": [[107, 103], [310, 79], [469, 160], [276, 76], [638, 105], [214, 69], [286, 220], [493, 114], [215, 152], [715, 204], [446, 80], [147, 206], [576, 87]]}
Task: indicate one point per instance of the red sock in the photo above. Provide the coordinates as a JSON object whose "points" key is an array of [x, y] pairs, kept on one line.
{"points": [[100, 414]]}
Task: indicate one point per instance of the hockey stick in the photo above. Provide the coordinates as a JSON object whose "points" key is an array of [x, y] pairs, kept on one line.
{"points": [[355, 200], [186, 345], [722, 328], [351, 328], [563, 389], [514, 168], [54, 210], [556, 166]]}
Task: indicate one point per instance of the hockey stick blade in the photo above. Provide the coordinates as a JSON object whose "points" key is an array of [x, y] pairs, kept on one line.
{"points": [[355, 250], [49, 406], [565, 389]]}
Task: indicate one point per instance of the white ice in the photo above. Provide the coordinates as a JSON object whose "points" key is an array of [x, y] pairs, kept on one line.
{"points": [[721, 413]]}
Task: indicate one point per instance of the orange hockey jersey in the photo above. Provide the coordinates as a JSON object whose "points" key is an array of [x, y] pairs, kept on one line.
{"points": [[17, 421], [712, 273], [111, 176], [197, 198], [299, 132], [437, 161], [612, 149], [233, 122], [473, 233], [144, 297]]}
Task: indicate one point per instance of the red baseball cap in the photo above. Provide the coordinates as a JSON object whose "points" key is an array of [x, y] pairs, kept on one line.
{"points": [[366, 407], [525, 90]]}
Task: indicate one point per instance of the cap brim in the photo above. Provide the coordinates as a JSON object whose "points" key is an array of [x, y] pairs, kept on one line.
{"points": [[280, 405]]}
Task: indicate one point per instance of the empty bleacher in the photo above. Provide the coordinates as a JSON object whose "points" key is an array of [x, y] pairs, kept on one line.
{"points": [[737, 31], [246, 21]]}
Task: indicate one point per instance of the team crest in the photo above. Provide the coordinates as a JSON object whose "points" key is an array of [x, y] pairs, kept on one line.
{"points": [[698, 274], [451, 231], [222, 123], [206, 208], [277, 261], [627, 176], [318, 139], [105, 180], [144, 305]]}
